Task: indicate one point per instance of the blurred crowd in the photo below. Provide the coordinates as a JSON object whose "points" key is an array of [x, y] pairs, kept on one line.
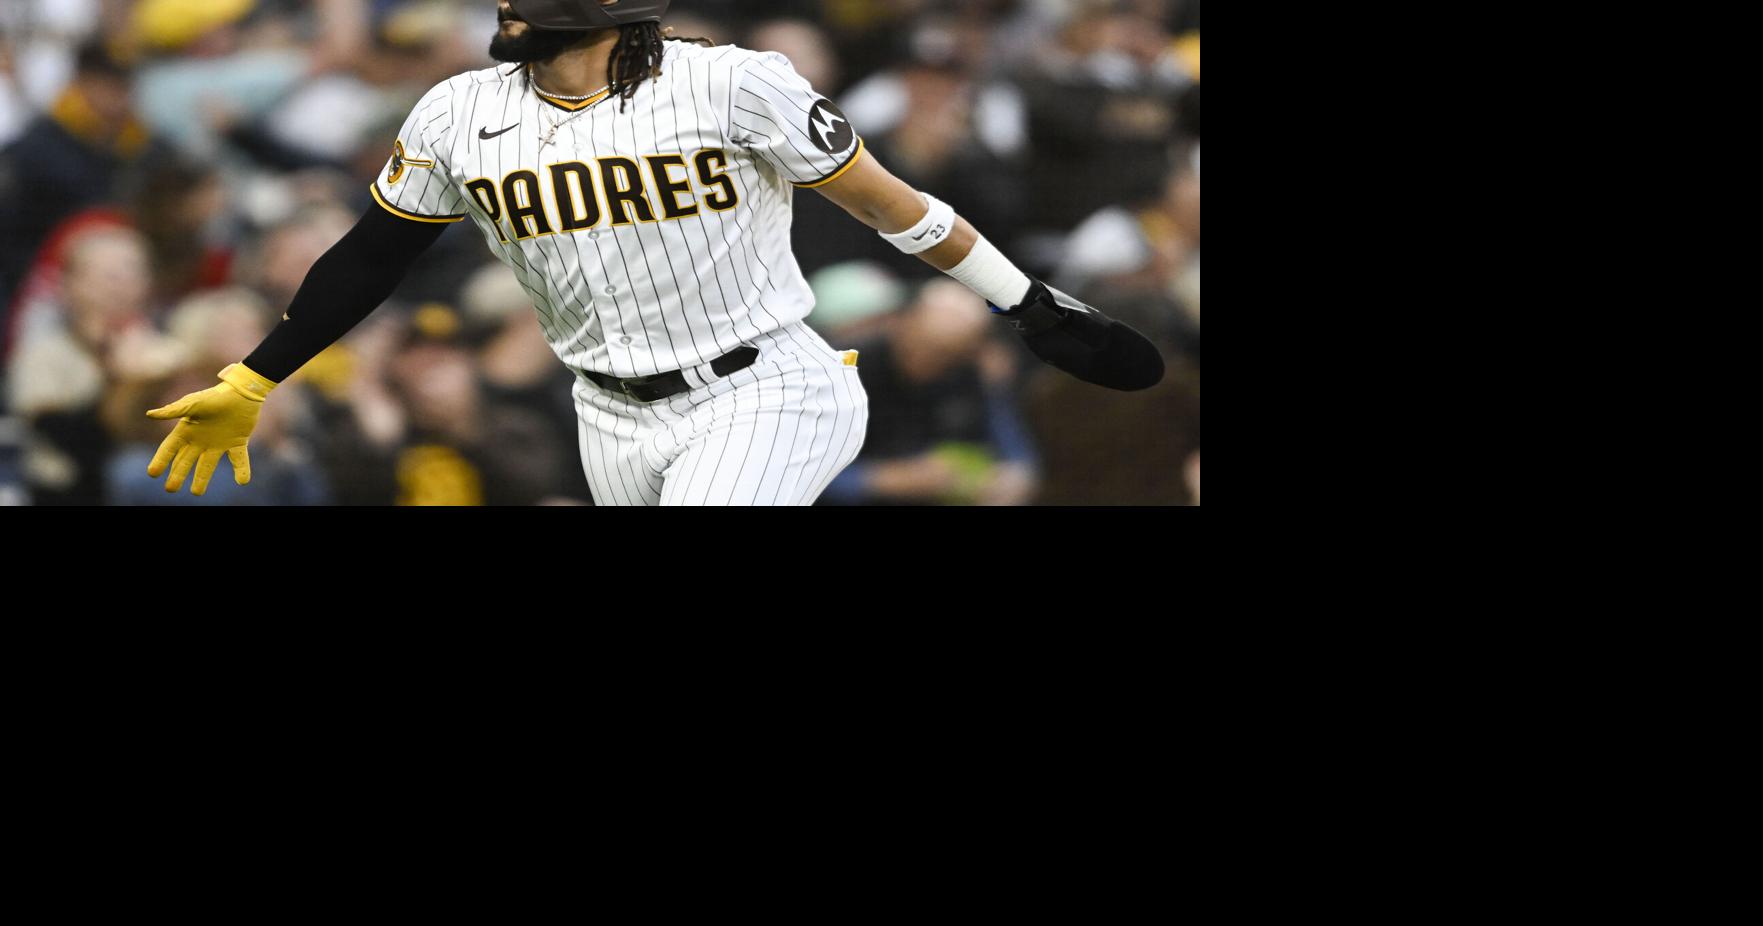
{"points": [[170, 170]]}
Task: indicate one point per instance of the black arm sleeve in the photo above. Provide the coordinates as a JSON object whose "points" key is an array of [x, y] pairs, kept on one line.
{"points": [[351, 280]]}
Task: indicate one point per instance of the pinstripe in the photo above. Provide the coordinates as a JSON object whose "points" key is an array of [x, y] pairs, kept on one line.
{"points": [[813, 350], [759, 416], [848, 412], [746, 240], [774, 433], [654, 125], [518, 256], [615, 453], [559, 306], [464, 139], [813, 388], [726, 125], [758, 291], [590, 307], [628, 448], [859, 428], [600, 255], [853, 445], [633, 459], [795, 433], [799, 452], [552, 298], [814, 166], [660, 307], [678, 488], [579, 318], [593, 453], [720, 433], [764, 151], [667, 258], [709, 435], [808, 454], [554, 279], [428, 179], [721, 436], [782, 95], [807, 159], [415, 139], [651, 476], [637, 232], [729, 110], [524, 272], [703, 469], [630, 368], [776, 416], [747, 255], [557, 274], [703, 224], [542, 295], [455, 154]]}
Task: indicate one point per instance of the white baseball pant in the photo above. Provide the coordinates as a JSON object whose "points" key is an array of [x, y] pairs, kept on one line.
{"points": [[775, 433]]}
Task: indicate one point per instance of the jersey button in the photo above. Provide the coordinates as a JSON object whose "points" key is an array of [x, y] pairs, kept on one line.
{"points": [[625, 340], [610, 290], [593, 236]]}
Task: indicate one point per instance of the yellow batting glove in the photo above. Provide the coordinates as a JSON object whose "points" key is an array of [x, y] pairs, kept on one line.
{"points": [[213, 421]]}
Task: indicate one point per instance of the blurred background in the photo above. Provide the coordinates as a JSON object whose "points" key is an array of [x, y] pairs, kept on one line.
{"points": [[170, 170]]}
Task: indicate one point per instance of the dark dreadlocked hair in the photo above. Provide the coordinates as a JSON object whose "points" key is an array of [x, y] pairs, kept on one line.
{"points": [[637, 57]]}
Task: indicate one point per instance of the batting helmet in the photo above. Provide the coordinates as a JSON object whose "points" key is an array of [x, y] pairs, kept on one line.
{"points": [[583, 15]]}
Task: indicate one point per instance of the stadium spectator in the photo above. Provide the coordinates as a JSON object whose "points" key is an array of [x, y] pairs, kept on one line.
{"points": [[1143, 261], [519, 370], [287, 251], [424, 431], [64, 379], [943, 425], [1102, 105], [211, 64], [804, 44], [855, 300], [76, 155]]}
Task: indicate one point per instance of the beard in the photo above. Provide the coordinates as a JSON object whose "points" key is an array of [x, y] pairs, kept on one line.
{"points": [[532, 45]]}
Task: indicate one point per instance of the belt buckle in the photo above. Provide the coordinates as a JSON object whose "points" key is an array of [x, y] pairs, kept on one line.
{"points": [[625, 386]]}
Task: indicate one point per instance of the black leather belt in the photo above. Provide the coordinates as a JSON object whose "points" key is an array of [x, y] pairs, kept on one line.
{"points": [[660, 386]]}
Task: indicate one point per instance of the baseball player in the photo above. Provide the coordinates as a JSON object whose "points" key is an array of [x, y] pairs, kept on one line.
{"points": [[640, 187]]}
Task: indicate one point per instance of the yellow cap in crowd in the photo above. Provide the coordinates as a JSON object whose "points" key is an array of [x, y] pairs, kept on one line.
{"points": [[172, 24]]}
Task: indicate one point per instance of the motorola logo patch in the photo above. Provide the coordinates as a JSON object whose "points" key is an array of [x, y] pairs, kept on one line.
{"points": [[829, 129]]}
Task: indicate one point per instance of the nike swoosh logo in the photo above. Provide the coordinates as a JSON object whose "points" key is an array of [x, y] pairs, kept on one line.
{"points": [[486, 134]]}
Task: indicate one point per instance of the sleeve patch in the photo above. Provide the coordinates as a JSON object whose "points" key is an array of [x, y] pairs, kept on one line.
{"points": [[828, 128], [395, 172]]}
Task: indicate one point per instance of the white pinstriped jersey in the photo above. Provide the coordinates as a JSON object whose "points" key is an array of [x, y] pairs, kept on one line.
{"points": [[649, 239]]}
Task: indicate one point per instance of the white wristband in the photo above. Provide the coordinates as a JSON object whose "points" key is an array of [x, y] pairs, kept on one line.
{"points": [[988, 272], [935, 228]]}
